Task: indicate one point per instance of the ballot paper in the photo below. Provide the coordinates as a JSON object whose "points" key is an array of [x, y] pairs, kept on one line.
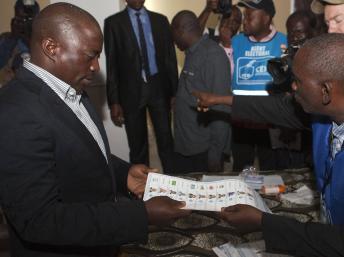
{"points": [[206, 196], [251, 249], [269, 180]]}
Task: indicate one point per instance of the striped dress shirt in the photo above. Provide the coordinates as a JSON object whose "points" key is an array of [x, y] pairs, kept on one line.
{"points": [[337, 139], [70, 97]]}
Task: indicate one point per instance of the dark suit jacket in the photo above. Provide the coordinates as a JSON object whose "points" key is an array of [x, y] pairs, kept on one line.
{"points": [[57, 190], [285, 235], [123, 63]]}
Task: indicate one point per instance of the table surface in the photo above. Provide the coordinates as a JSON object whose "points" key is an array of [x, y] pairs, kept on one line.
{"points": [[198, 233]]}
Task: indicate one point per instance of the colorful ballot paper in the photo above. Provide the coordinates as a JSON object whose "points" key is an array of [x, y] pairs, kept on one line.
{"points": [[207, 196]]}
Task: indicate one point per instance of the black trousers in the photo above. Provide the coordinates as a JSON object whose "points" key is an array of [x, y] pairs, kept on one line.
{"points": [[245, 144], [159, 110]]}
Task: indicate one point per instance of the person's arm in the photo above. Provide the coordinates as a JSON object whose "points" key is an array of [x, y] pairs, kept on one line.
{"points": [[216, 70], [211, 6], [285, 235], [112, 70], [110, 48], [279, 110], [170, 58]]}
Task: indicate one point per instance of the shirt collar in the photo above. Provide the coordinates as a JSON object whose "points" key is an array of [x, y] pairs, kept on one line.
{"points": [[193, 48], [132, 12], [61, 88], [338, 130], [266, 38], [227, 49]]}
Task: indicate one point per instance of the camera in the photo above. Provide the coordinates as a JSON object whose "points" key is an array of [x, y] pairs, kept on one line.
{"points": [[224, 7], [280, 69]]}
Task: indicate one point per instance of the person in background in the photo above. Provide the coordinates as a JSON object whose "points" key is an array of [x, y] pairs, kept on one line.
{"points": [[333, 11], [292, 148], [252, 50], [228, 27], [142, 76], [14, 45], [61, 190], [199, 139]]}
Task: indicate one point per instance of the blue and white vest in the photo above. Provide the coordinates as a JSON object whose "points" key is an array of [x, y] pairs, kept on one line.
{"points": [[251, 76]]}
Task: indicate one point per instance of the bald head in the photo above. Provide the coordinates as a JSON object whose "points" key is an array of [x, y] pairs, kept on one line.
{"points": [[186, 21], [61, 20], [67, 42], [323, 56], [185, 29]]}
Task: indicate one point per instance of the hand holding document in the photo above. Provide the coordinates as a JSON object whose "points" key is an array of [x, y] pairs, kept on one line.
{"points": [[206, 196]]}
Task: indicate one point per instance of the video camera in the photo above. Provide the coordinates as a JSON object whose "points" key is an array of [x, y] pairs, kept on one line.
{"points": [[281, 69], [224, 7]]}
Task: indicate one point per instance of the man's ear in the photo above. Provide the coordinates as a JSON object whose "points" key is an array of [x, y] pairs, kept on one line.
{"points": [[50, 48], [326, 91]]}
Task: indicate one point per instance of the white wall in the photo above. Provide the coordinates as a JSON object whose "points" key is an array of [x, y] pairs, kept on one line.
{"points": [[117, 136]]}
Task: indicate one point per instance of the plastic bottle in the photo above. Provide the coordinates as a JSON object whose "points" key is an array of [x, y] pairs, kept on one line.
{"points": [[273, 189]]}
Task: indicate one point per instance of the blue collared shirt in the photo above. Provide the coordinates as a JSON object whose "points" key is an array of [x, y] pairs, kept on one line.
{"points": [[147, 30]]}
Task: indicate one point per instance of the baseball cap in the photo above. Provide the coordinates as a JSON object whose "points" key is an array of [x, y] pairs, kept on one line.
{"points": [[266, 5], [318, 5]]}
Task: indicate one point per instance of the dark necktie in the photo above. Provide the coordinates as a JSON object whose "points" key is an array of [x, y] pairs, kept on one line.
{"points": [[144, 53]]}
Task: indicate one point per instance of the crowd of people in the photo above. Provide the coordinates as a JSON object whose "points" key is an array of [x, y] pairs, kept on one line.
{"points": [[62, 191]]}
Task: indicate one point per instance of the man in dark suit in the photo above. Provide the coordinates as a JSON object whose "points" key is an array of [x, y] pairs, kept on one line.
{"points": [[62, 191], [141, 74]]}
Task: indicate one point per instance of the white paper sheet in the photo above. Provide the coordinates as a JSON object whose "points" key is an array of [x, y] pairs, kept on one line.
{"points": [[207, 196], [269, 180]]}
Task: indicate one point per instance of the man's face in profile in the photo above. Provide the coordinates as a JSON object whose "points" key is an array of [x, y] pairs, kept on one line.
{"points": [[78, 56]]}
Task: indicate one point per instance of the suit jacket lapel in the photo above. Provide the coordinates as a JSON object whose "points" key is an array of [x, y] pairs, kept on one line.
{"points": [[95, 117], [62, 112], [59, 109]]}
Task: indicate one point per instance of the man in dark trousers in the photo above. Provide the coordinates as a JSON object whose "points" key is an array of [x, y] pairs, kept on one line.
{"points": [[141, 74], [200, 138], [61, 190]]}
